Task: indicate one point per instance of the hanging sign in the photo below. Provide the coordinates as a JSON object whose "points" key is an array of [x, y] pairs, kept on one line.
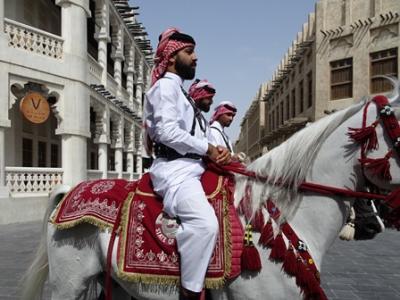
{"points": [[35, 108]]}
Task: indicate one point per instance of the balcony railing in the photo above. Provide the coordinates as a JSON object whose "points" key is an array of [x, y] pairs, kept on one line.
{"points": [[95, 70], [32, 180], [32, 39], [94, 174], [112, 85]]}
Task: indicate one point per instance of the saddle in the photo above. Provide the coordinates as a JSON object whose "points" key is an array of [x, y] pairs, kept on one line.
{"points": [[147, 251]]}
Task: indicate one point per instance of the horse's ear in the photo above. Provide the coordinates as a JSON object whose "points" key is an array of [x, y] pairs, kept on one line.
{"points": [[394, 95]]}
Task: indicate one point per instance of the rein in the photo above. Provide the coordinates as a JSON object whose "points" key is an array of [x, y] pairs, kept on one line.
{"points": [[366, 137]]}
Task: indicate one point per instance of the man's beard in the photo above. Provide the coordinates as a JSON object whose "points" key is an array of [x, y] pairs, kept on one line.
{"points": [[204, 106], [187, 72]]}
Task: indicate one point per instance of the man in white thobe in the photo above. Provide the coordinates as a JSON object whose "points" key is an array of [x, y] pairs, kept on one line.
{"points": [[222, 118], [179, 133]]}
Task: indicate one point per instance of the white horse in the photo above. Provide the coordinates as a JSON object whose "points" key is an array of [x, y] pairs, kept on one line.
{"points": [[321, 153]]}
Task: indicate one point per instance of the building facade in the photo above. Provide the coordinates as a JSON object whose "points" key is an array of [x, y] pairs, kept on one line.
{"points": [[73, 76], [335, 60]]}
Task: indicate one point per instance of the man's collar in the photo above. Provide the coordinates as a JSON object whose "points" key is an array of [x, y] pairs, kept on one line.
{"points": [[174, 76], [218, 125]]}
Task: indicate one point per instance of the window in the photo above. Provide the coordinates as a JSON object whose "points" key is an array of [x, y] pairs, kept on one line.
{"points": [[342, 79], [42, 154], [125, 162], [301, 88], [300, 67], [281, 112], [27, 152], [293, 103], [309, 90], [287, 108], [54, 156], [383, 63]]}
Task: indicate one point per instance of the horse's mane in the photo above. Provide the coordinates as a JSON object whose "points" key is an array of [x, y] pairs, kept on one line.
{"points": [[290, 162]]}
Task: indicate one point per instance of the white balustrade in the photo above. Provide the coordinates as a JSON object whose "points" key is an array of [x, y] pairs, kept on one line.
{"points": [[126, 175], [32, 180], [112, 174], [94, 174], [136, 176], [95, 70], [32, 39]]}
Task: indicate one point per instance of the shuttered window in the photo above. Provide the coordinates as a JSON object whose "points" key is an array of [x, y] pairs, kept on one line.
{"points": [[342, 79], [383, 63]]}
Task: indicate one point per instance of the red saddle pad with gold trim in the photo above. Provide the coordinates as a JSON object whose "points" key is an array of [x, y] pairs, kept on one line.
{"points": [[147, 250]]}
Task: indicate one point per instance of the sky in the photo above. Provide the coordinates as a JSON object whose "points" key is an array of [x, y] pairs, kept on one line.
{"points": [[238, 44]]}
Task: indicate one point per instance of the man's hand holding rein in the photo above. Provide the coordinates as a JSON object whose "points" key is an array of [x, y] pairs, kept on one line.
{"points": [[219, 154]]}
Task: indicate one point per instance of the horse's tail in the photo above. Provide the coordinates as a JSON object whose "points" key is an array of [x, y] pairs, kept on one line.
{"points": [[33, 280]]}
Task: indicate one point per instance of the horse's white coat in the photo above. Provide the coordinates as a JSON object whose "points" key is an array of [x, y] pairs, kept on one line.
{"points": [[321, 153]]}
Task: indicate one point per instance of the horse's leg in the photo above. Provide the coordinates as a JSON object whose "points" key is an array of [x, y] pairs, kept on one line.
{"points": [[74, 262]]}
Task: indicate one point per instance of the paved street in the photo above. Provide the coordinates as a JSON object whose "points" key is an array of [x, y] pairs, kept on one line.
{"points": [[352, 270]]}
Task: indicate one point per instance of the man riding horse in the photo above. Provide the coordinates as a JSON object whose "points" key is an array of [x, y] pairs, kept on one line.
{"points": [[178, 133]]}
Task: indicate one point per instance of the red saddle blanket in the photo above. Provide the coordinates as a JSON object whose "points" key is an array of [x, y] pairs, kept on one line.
{"points": [[147, 249]]}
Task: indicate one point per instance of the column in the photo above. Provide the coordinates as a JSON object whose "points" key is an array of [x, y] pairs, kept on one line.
{"points": [[117, 140], [102, 36], [3, 38], [117, 39], [2, 17], [75, 105], [74, 159], [130, 148], [103, 159], [102, 137], [3, 188], [138, 149], [130, 71], [139, 86], [139, 95], [119, 160]]}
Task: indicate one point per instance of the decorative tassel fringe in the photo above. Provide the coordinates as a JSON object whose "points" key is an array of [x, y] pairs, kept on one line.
{"points": [[278, 252], [250, 259], [258, 221], [365, 136], [290, 262], [267, 235], [379, 166]]}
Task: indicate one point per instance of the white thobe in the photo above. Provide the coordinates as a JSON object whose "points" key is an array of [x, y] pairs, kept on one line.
{"points": [[169, 119], [218, 137]]}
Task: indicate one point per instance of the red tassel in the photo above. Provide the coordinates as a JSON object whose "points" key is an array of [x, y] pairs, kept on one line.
{"points": [[290, 262], [258, 221], [379, 166], [267, 235], [301, 274], [365, 136], [250, 259], [278, 252]]}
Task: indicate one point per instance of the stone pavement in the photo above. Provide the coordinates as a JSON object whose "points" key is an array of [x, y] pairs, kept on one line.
{"points": [[351, 270]]}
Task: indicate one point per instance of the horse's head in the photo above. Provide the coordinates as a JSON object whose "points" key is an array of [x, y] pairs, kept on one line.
{"points": [[380, 157], [379, 139]]}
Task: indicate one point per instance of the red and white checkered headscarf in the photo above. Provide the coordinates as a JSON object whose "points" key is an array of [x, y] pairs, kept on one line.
{"points": [[223, 108], [201, 89], [166, 48]]}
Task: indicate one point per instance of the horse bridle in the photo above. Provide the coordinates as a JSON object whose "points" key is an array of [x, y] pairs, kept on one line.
{"points": [[366, 137]]}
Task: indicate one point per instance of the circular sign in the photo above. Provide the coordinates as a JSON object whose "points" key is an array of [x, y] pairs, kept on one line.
{"points": [[35, 108]]}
